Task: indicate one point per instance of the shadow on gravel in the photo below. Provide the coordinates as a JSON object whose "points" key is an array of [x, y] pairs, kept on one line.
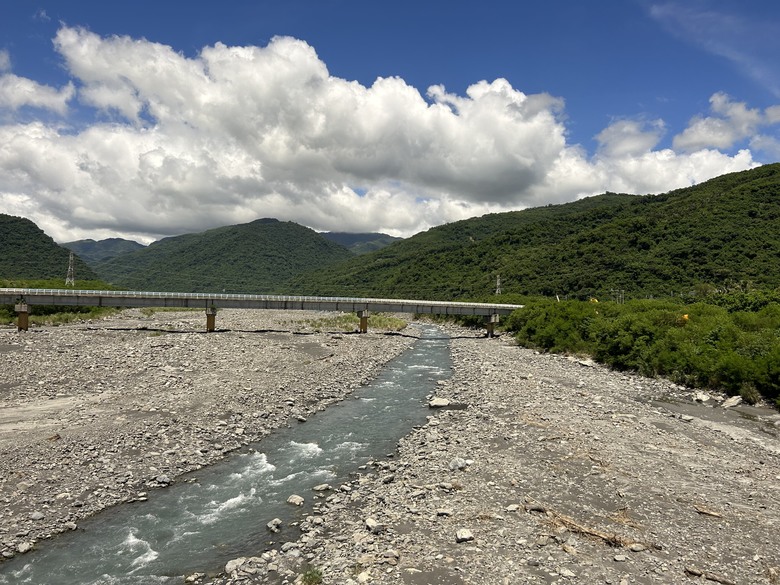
{"points": [[261, 331]]}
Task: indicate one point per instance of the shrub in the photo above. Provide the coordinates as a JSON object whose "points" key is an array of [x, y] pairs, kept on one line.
{"points": [[699, 344]]}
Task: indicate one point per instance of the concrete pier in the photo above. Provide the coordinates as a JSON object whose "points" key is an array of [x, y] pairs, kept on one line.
{"points": [[22, 316]]}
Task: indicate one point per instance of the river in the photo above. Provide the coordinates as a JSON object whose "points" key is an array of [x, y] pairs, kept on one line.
{"points": [[221, 512]]}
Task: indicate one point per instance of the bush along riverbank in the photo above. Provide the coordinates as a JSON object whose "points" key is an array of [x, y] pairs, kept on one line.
{"points": [[731, 342]]}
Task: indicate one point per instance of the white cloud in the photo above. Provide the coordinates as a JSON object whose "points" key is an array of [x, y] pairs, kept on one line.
{"points": [[629, 138], [733, 122], [185, 144], [17, 92], [5, 61]]}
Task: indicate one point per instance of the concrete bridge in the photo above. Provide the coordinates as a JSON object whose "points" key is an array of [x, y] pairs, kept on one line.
{"points": [[22, 298]]}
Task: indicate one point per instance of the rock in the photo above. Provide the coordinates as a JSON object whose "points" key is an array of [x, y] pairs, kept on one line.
{"points": [[637, 547], [373, 526], [234, 565], [24, 547], [459, 463], [37, 516], [163, 480], [444, 512], [274, 525], [732, 401], [567, 573], [438, 403], [295, 500], [195, 577], [620, 558], [321, 488], [701, 397], [464, 535]]}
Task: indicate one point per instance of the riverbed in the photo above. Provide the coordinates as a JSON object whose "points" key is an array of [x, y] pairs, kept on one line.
{"points": [[99, 413], [542, 469]]}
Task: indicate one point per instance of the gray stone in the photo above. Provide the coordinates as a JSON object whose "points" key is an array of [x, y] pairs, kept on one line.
{"points": [[295, 500], [464, 535], [234, 565], [274, 525]]}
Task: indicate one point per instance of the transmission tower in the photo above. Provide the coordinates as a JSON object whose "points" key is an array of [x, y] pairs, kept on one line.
{"points": [[70, 279]]}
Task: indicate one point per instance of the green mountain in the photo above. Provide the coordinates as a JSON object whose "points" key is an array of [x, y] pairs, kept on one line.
{"points": [[27, 253], [361, 243], [254, 257], [94, 252], [723, 231]]}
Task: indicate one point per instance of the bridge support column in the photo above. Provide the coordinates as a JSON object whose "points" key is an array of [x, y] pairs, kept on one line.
{"points": [[22, 317], [211, 319], [490, 324], [363, 315]]}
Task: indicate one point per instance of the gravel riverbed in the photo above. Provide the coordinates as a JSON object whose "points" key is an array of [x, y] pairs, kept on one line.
{"points": [[99, 413], [538, 469]]}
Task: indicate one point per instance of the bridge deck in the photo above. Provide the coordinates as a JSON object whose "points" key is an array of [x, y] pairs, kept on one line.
{"points": [[108, 298]]}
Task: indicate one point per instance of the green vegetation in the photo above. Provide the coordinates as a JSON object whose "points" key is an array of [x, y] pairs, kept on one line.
{"points": [[360, 243], [717, 234], [28, 253], [93, 252], [254, 257], [55, 314], [719, 345], [312, 577]]}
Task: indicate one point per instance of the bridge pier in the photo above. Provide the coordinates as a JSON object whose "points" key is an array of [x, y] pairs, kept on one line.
{"points": [[490, 324], [211, 319], [363, 315], [22, 316]]}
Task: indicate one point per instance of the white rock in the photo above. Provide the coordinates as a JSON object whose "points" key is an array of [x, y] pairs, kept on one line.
{"points": [[733, 401], [438, 402], [295, 500], [234, 564], [464, 535]]}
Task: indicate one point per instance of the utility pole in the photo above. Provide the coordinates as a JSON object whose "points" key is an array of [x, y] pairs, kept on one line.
{"points": [[70, 279]]}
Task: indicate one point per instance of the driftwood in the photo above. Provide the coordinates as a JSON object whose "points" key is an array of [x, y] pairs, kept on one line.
{"points": [[706, 511], [694, 572], [571, 524]]}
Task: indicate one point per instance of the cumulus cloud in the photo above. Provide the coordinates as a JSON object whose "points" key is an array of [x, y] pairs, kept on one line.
{"points": [[234, 133], [731, 123], [17, 92], [629, 138]]}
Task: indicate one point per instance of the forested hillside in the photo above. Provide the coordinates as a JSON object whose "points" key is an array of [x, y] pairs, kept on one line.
{"points": [[711, 235], [26, 252], [361, 243], [94, 252], [254, 257]]}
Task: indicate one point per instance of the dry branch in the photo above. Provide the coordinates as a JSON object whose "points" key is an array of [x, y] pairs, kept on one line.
{"points": [[694, 572]]}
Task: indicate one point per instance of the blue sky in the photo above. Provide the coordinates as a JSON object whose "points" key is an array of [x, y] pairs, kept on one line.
{"points": [[148, 119]]}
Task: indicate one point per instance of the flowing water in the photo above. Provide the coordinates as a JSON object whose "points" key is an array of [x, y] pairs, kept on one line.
{"points": [[199, 526]]}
